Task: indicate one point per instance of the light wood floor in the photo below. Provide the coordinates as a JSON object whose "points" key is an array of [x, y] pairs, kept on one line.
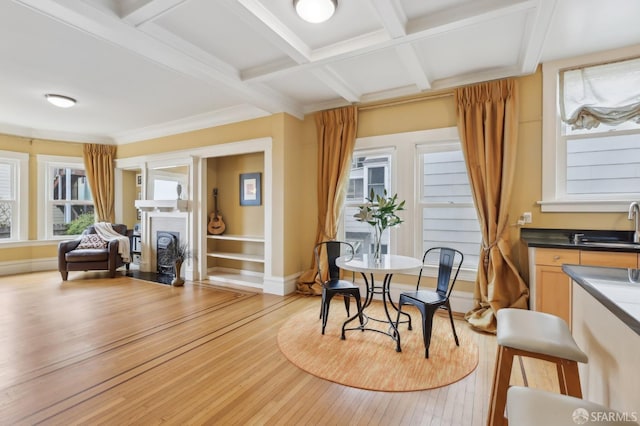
{"points": [[94, 350]]}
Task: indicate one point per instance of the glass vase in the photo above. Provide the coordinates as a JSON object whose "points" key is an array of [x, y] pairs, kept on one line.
{"points": [[377, 246]]}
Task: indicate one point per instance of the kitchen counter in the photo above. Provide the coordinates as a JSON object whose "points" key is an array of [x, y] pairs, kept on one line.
{"points": [[549, 249], [617, 289], [605, 316], [592, 240]]}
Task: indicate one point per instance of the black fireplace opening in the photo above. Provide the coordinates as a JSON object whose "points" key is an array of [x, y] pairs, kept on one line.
{"points": [[166, 252]]}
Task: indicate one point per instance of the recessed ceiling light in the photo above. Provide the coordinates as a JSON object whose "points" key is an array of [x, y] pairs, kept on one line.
{"points": [[315, 11], [60, 100]]}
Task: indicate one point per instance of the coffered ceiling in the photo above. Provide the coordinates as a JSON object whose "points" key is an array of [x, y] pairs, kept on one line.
{"points": [[147, 68]]}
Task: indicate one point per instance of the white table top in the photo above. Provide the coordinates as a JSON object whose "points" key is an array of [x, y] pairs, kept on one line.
{"points": [[391, 263]]}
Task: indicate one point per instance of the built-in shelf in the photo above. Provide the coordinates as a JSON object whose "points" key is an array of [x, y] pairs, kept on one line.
{"points": [[162, 205], [229, 237], [236, 278], [238, 256], [216, 249]]}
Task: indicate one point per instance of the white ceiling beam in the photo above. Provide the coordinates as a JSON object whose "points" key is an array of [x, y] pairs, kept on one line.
{"points": [[464, 15], [469, 13], [392, 17], [86, 18], [179, 44], [367, 43], [261, 20], [537, 28], [410, 60], [352, 47], [333, 80], [148, 11]]}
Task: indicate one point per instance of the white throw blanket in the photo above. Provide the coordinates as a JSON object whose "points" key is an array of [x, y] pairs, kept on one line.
{"points": [[107, 233]]}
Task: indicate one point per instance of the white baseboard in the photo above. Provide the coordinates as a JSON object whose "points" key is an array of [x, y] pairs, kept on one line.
{"points": [[28, 265], [281, 285], [272, 285]]}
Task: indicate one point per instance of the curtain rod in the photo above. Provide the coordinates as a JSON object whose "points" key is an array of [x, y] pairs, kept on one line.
{"points": [[403, 101]]}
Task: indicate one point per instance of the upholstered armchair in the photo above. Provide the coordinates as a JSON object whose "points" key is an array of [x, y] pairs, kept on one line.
{"points": [[91, 253]]}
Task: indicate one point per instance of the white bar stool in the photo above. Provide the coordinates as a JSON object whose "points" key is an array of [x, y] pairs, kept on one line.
{"points": [[534, 335], [533, 407]]}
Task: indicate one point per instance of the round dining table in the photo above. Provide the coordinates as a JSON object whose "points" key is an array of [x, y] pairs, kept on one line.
{"points": [[368, 267]]}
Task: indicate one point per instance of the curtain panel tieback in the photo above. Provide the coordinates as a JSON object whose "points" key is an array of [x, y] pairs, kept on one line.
{"points": [[486, 248]]}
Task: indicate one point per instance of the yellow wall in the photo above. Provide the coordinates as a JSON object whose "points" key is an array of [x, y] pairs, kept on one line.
{"points": [[527, 189], [294, 175], [439, 111], [35, 147], [300, 195], [435, 112], [225, 171], [245, 130], [129, 195], [223, 174]]}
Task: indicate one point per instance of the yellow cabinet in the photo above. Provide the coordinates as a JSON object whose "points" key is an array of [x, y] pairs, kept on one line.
{"points": [[609, 259], [553, 287]]}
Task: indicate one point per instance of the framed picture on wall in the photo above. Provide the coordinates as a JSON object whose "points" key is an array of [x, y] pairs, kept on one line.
{"points": [[250, 189]]}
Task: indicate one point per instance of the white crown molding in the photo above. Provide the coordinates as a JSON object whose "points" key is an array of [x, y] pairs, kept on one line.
{"points": [[196, 122], [54, 135]]}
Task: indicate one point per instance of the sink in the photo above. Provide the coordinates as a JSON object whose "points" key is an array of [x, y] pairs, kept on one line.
{"points": [[612, 244]]}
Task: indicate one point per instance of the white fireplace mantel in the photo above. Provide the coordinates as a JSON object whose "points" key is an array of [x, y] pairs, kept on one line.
{"points": [[155, 221]]}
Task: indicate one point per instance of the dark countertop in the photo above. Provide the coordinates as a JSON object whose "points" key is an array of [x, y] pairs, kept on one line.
{"points": [[618, 289], [599, 240]]}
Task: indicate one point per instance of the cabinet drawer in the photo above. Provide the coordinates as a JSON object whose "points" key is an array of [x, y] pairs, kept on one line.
{"points": [[609, 259], [555, 257]]}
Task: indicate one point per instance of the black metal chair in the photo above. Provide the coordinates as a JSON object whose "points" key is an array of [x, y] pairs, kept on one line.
{"points": [[429, 301], [326, 254]]}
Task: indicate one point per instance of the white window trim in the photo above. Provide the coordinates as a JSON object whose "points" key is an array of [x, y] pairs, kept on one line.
{"points": [[442, 144], [20, 222], [553, 155], [45, 228], [404, 147]]}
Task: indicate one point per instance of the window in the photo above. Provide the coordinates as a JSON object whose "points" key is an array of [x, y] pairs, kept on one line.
{"points": [[66, 196], [13, 199], [431, 178], [449, 217], [369, 171], [591, 139]]}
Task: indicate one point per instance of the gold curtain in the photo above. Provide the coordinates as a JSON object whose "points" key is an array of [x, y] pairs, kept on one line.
{"points": [[488, 126], [336, 131], [98, 163]]}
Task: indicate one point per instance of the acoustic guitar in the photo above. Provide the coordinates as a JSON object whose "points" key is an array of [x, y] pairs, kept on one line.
{"points": [[216, 225]]}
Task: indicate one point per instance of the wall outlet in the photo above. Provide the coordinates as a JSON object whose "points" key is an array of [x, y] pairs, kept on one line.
{"points": [[526, 217]]}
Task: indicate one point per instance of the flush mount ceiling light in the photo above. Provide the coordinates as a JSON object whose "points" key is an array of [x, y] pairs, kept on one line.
{"points": [[60, 100], [315, 11]]}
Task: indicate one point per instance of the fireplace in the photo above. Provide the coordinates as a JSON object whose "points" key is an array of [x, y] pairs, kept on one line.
{"points": [[159, 223], [166, 248]]}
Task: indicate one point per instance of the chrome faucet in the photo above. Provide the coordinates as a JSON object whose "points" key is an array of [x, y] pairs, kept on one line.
{"points": [[634, 212]]}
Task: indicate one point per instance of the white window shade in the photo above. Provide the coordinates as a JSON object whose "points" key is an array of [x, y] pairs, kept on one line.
{"points": [[607, 93]]}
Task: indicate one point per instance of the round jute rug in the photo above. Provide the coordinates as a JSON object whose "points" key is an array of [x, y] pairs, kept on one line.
{"points": [[368, 360]]}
